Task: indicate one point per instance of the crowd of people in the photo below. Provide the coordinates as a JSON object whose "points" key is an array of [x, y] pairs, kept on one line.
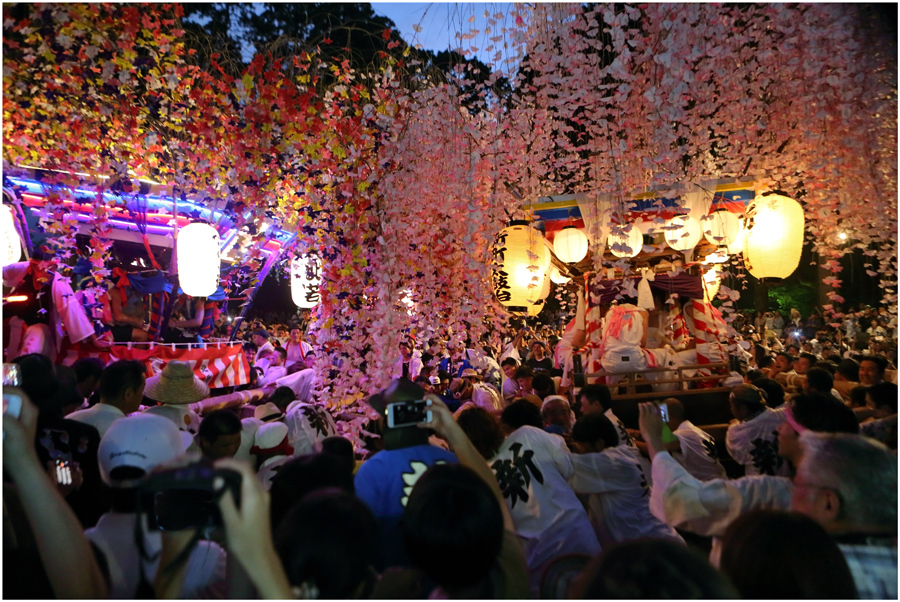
{"points": [[520, 481]]}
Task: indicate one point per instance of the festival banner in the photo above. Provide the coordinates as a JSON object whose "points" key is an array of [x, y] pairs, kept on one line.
{"points": [[218, 364]]}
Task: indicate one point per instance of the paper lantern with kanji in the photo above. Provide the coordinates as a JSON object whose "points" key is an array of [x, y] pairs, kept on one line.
{"points": [[198, 260], [519, 266], [306, 276], [683, 233], [773, 237], [723, 229], [10, 243], [570, 245], [627, 243]]}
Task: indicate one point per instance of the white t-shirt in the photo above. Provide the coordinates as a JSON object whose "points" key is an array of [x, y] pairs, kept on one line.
{"points": [[205, 575], [709, 507], [308, 424], [698, 452], [754, 443], [510, 389], [101, 416], [619, 497], [486, 396], [301, 383], [270, 468], [533, 468]]}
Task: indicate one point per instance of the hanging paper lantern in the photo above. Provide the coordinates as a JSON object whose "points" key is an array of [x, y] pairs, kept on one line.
{"points": [[712, 279], [773, 236], [627, 243], [520, 265], [570, 245], [735, 247], [306, 276], [198, 260], [10, 244], [557, 277], [683, 233], [534, 309], [548, 256], [721, 228]]}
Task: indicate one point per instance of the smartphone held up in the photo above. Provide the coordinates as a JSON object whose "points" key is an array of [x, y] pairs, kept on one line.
{"points": [[408, 413]]}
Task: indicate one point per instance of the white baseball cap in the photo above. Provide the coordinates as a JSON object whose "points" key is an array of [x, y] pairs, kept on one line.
{"points": [[143, 441]]}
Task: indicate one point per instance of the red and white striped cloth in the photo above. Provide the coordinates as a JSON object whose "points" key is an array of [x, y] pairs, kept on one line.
{"points": [[218, 364], [682, 334], [710, 330]]}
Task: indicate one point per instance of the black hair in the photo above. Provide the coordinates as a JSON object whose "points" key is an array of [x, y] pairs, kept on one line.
{"points": [[651, 569], [301, 476], [858, 396], [509, 361], [849, 369], [219, 423], [523, 371], [443, 375], [543, 384], [819, 379], [773, 390], [250, 346], [330, 541], [808, 357], [880, 362], [422, 381], [765, 361], [785, 354], [884, 395], [823, 413], [482, 430], [750, 397], [120, 376], [772, 555], [282, 351], [595, 427], [522, 413], [86, 368], [282, 397], [752, 375], [341, 448], [453, 526], [39, 380], [597, 394]]}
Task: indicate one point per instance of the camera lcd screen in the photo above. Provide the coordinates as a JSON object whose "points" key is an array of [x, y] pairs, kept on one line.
{"points": [[407, 413]]}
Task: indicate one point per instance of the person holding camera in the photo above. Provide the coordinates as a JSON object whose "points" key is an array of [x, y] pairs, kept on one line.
{"points": [[385, 480]]}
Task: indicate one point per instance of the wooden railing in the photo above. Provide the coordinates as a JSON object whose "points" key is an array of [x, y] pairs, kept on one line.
{"points": [[628, 381]]}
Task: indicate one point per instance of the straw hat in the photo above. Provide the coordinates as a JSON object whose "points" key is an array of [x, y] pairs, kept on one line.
{"points": [[470, 373], [176, 385], [267, 412]]}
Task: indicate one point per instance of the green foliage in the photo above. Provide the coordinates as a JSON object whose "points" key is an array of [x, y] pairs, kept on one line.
{"points": [[798, 295]]}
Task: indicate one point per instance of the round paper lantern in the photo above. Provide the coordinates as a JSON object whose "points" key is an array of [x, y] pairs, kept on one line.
{"points": [[626, 244], [306, 276], [534, 309], [735, 247], [773, 236], [198, 260], [557, 277], [10, 244], [712, 279], [721, 228], [684, 234], [570, 245], [520, 264]]}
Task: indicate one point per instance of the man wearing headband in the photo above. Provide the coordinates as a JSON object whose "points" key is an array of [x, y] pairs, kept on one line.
{"points": [[708, 507]]}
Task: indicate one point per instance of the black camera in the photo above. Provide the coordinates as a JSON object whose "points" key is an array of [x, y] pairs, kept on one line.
{"points": [[184, 497]]}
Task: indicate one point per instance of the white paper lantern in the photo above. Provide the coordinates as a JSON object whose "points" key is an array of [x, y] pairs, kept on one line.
{"points": [[557, 277], [10, 243], [683, 233], [735, 247], [198, 260], [712, 279], [721, 228], [570, 245], [534, 309], [628, 243], [306, 276], [773, 236], [520, 265]]}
